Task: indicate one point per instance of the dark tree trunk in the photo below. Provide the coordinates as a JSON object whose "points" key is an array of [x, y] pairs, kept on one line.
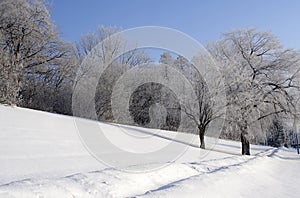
{"points": [[201, 136], [245, 144]]}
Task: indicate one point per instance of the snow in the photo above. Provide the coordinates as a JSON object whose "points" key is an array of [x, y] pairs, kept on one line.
{"points": [[41, 155]]}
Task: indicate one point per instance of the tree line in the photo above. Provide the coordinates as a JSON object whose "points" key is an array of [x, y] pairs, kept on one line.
{"points": [[38, 70]]}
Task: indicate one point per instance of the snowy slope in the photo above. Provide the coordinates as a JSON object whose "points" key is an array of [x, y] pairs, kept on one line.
{"points": [[41, 155]]}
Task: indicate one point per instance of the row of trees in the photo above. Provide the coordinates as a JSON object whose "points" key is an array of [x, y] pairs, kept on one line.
{"points": [[262, 89], [38, 69]]}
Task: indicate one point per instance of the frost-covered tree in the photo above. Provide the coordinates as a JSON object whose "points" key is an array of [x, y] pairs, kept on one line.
{"points": [[208, 108], [261, 79], [276, 135], [166, 58], [29, 45], [103, 46], [182, 63], [202, 115], [51, 90], [154, 105]]}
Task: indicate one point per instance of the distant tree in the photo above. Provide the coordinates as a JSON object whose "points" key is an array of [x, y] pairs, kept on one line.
{"points": [[276, 133], [104, 45], [166, 58], [156, 106], [182, 63]]}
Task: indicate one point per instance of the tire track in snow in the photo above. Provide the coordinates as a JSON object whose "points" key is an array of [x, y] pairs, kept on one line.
{"points": [[107, 181], [213, 169]]}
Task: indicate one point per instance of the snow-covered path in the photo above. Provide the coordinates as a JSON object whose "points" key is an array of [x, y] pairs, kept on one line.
{"points": [[41, 156], [266, 175]]}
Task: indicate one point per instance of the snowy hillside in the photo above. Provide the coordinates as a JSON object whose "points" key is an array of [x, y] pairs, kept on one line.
{"points": [[41, 155]]}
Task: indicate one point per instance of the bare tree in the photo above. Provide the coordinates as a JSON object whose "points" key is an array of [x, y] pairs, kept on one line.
{"points": [[209, 108], [260, 76], [203, 114]]}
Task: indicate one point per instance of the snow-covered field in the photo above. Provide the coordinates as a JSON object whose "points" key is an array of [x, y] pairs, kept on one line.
{"points": [[41, 155]]}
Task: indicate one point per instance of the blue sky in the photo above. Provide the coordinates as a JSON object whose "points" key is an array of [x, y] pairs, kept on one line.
{"points": [[203, 20]]}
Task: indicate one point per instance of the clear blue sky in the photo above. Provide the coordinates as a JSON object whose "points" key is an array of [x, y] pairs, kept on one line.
{"points": [[203, 20]]}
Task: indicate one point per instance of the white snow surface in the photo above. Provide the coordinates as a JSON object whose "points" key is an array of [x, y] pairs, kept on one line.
{"points": [[41, 155]]}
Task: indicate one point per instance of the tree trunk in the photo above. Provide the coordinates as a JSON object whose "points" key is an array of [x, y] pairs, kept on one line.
{"points": [[201, 136], [245, 144], [12, 88]]}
